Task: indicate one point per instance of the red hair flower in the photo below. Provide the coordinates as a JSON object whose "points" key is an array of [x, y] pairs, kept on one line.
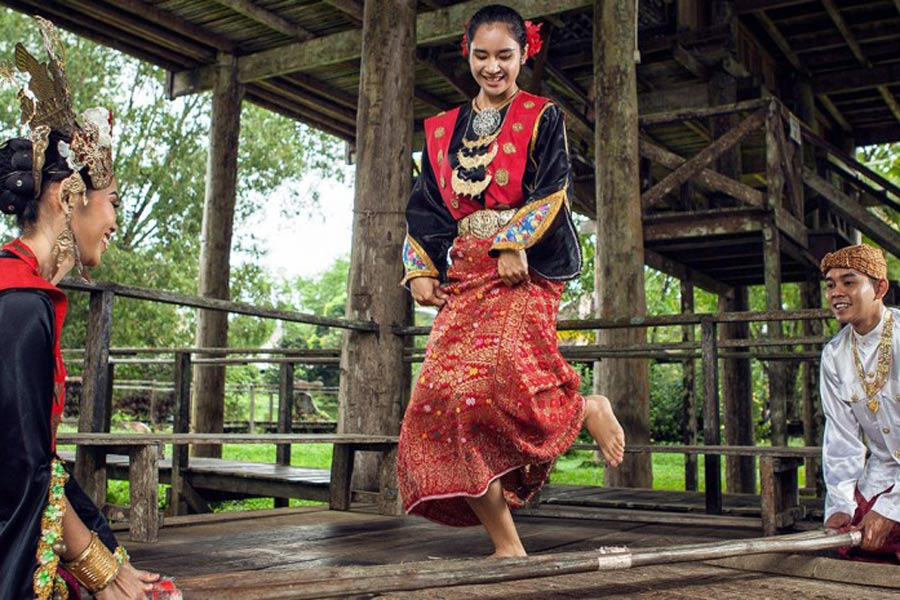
{"points": [[533, 38]]}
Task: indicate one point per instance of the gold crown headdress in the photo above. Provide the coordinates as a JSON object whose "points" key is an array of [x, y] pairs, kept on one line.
{"points": [[47, 105]]}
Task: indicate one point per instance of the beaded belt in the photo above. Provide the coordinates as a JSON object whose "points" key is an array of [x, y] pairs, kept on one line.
{"points": [[483, 224]]}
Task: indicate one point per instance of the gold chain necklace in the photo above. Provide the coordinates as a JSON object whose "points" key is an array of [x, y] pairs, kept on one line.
{"points": [[883, 366]]}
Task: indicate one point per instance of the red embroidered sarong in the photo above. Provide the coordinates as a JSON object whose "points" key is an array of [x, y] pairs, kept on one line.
{"points": [[890, 552], [494, 398]]}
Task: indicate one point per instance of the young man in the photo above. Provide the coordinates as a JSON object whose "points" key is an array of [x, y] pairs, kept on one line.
{"points": [[860, 388]]}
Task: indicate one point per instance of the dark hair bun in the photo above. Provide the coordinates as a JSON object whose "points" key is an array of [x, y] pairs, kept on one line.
{"points": [[16, 178]]}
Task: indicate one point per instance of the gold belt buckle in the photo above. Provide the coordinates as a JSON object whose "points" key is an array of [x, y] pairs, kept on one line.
{"points": [[483, 224]]}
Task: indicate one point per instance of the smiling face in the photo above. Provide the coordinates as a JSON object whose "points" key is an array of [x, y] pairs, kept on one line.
{"points": [[495, 59], [853, 299], [93, 224]]}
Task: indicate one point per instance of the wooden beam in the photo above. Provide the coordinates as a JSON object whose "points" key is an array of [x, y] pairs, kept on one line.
{"points": [[351, 8], [690, 62], [698, 162], [857, 79], [672, 267], [879, 231], [835, 13], [431, 27], [751, 6], [268, 18], [463, 85], [729, 222], [775, 34], [177, 24], [706, 177], [834, 112], [890, 100]]}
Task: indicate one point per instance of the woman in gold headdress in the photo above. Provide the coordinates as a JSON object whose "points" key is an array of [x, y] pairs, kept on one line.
{"points": [[59, 184], [495, 402]]}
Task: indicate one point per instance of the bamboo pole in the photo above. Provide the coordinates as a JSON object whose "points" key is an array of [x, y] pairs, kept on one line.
{"points": [[347, 581]]}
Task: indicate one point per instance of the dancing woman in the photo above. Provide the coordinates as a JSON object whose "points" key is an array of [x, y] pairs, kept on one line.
{"points": [[495, 403]]}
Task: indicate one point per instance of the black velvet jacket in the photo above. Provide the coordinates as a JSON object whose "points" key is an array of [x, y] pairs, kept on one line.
{"points": [[26, 392], [557, 255]]}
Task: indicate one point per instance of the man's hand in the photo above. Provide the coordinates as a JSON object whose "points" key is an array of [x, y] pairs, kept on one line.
{"points": [[427, 291], [875, 529], [838, 520], [512, 265]]}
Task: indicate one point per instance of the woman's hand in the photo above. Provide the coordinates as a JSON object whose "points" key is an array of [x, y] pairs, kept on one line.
{"points": [[427, 291], [129, 584], [513, 267]]}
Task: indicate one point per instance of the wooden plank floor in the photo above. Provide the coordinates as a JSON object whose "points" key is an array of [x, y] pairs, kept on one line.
{"points": [[314, 537]]}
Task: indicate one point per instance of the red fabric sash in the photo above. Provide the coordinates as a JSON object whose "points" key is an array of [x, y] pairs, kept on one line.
{"points": [[508, 167], [23, 274]]}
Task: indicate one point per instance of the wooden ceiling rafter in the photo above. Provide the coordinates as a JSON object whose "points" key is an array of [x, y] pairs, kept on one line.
{"points": [[351, 8], [437, 26], [839, 22], [268, 18]]}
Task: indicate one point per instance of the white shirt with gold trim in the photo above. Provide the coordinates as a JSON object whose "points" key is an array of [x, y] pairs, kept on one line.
{"points": [[852, 429]]}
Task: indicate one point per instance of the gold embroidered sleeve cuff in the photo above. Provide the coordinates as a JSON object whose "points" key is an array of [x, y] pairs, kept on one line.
{"points": [[416, 261], [530, 223]]}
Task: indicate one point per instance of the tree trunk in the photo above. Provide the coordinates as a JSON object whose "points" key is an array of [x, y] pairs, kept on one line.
{"points": [[374, 379], [737, 392], [619, 267], [215, 251]]}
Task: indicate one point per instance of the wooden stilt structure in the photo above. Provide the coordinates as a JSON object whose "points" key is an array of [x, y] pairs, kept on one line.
{"points": [[347, 581]]}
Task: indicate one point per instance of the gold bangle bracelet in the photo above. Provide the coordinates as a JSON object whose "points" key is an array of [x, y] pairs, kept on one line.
{"points": [[96, 567]]}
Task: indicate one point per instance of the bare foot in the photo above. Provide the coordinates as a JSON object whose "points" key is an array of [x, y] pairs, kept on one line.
{"points": [[603, 426], [509, 553]]}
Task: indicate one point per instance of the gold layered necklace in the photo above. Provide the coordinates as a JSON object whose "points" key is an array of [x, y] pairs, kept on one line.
{"points": [[883, 365], [474, 156]]}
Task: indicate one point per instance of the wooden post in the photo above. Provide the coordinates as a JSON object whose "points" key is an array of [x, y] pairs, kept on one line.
{"points": [[215, 250], [772, 276], [251, 391], [178, 504], [285, 419], [143, 476], [374, 378], [271, 407], [95, 410], [689, 392], [711, 426], [737, 392], [813, 419], [619, 269]]}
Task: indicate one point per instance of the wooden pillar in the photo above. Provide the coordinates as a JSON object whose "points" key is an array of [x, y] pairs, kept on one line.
{"points": [[96, 399], [722, 89], [689, 392], [737, 392], [813, 418], [215, 250], [285, 419], [711, 423], [374, 379], [772, 277], [178, 504], [619, 269]]}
